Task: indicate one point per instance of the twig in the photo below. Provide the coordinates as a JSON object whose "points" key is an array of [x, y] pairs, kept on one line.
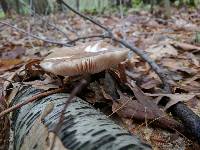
{"points": [[68, 101], [34, 36], [29, 37], [33, 98], [58, 29], [54, 26], [85, 17], [120, 108], [160, 72], [50, 24], [138, 51], [88, 37], [2, 78]]}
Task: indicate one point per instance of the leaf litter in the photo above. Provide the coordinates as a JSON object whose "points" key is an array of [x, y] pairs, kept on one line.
{"points": [[169, 42]]}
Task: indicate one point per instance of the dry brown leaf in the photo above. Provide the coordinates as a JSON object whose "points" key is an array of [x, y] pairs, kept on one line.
{"points": [[128, 108], [175, 98], [13, 53], [143, 99], [7, 64], [13, 91], [44, 85], [48, 108], [95, 93], [157, 52], [191, 81], [193, 87], [181, 65], [186, 25], [194, 59], [185, 46], [150, 84]]}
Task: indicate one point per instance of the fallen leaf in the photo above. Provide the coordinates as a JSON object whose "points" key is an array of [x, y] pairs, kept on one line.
{"points": [[157, 52], [95, 93], [48, 108], [186, 25], [44, 85], [127, 108], [141, 97], [193, 59], [185, 46], [179, 65], [7, 64], [14, 53], [175, 98], [150, 84]]}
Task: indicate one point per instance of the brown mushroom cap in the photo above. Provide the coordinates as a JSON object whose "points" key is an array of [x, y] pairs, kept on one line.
{"points": [[85, 58]]}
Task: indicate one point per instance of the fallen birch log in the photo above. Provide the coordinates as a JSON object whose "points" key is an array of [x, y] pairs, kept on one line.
{"points": [[84, 127]]}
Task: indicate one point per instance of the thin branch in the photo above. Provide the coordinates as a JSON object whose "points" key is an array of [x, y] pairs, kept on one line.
{"points": [[33, 12], [75, 91], [85, 17], [160, 72], [54, 26], [139, 52], [88, 37], [34, 36], [33, 98]]}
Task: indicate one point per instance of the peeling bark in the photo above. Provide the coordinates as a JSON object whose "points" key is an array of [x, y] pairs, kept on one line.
{"points": [[83, 127]]}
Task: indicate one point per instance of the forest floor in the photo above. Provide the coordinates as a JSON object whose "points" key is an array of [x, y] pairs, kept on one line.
{"points": [[173, 43]]}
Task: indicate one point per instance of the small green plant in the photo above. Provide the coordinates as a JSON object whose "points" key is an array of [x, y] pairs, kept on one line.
{"points": [[197, 37], [137, 2], [2, 15], [193, 3]]}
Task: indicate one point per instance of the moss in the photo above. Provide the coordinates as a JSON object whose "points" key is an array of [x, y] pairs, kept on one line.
{"points": [[197, 38]]}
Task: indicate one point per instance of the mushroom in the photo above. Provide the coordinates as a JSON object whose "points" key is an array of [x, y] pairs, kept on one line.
{"points": [[82, 59]]}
